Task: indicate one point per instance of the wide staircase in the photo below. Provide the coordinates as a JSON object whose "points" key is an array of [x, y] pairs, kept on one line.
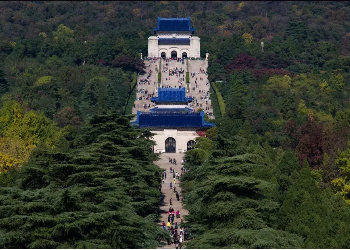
{"points": [[198, 88]]}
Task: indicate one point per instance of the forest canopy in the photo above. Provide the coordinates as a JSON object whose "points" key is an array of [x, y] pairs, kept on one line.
{"points": [[274, 173]]}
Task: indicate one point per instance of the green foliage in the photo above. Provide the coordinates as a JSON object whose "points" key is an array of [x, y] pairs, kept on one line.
{"points": [[241, 197], [104, 194], [3, 82], [187, 77], [219, 98], [132, 96]]}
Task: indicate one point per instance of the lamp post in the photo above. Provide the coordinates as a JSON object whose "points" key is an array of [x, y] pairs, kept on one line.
{"points": [[140, 53]]}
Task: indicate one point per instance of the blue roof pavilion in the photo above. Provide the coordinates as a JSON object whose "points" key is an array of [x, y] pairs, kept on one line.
{"points": [[174, 25], [174, 119], [171, 95]]}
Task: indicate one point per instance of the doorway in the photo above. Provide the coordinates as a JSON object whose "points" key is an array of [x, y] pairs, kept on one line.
{"points": [[170, 145], [162, 55], [190, 144], [184, 55], [173, 54]]}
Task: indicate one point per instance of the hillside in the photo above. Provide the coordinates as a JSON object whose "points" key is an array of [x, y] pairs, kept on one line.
{"points": [[273, 173]]}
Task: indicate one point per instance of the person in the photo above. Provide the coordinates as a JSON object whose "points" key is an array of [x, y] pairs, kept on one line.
{"points": [[168, 225], [176, 226], [177, 196], [171, 185], [171, 201], [174, 181], [178, 214]]}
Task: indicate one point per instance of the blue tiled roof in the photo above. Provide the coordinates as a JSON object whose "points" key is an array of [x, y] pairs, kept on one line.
{"points": [[171, 95], [174, 24], [172, 120], [173, 41]]}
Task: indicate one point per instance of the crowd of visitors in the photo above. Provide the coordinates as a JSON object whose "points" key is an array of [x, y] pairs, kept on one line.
{"points": [[174, 222]]}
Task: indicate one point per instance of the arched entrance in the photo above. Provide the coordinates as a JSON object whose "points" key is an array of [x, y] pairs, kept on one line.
{"points": [[162, 54], [190, 144], [170, 145], [184, 55], [173, 54]]}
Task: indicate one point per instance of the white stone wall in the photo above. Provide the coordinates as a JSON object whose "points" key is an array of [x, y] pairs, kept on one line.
{"points": [[195, 47], [181, 137], [192, 50], [178, 48], [153, 46]]}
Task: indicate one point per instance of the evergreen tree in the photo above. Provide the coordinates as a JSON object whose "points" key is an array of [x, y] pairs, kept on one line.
{"points": [[102, 195], [3, 82]]}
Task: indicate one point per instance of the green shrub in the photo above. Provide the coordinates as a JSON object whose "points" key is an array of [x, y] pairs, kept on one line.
{"points": [[219, 98], [132, 95], [187, 77]]}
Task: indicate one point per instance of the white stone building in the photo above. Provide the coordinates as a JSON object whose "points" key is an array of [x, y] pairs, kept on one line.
{"points": [[174, 38]]}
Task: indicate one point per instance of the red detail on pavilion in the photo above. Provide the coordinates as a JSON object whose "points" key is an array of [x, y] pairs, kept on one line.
{"points": [[201, 133]]}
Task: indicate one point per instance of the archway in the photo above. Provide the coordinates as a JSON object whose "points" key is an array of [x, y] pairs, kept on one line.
{"points": [[190, 144], [173, 54], [170, 145], [184, 55], [163, 55]]}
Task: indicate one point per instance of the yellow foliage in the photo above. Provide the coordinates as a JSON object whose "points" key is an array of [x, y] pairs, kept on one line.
{"points": [[278, 83], [322, 117], [16, 148], [7, 162], [43, 34], [302, 107], [43, 80], [342, 184], [136, 12], [13, 44], [237, 24], [10, 113], [241, 5], [325, 88], [248, 38]]}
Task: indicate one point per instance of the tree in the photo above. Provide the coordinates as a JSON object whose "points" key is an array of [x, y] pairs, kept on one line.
{"points": [[3, 82], [103, 194]]}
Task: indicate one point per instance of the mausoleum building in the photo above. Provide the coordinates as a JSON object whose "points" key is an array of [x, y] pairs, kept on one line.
{"points": [[175, 126], [173, 38]]}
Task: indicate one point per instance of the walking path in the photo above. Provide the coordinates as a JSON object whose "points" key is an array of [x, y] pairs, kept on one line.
{"points": [[168, 192], [198, 88]]}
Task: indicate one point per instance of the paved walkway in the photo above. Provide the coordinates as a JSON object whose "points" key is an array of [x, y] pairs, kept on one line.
{"points": [[198, 87], [164, 163]]}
